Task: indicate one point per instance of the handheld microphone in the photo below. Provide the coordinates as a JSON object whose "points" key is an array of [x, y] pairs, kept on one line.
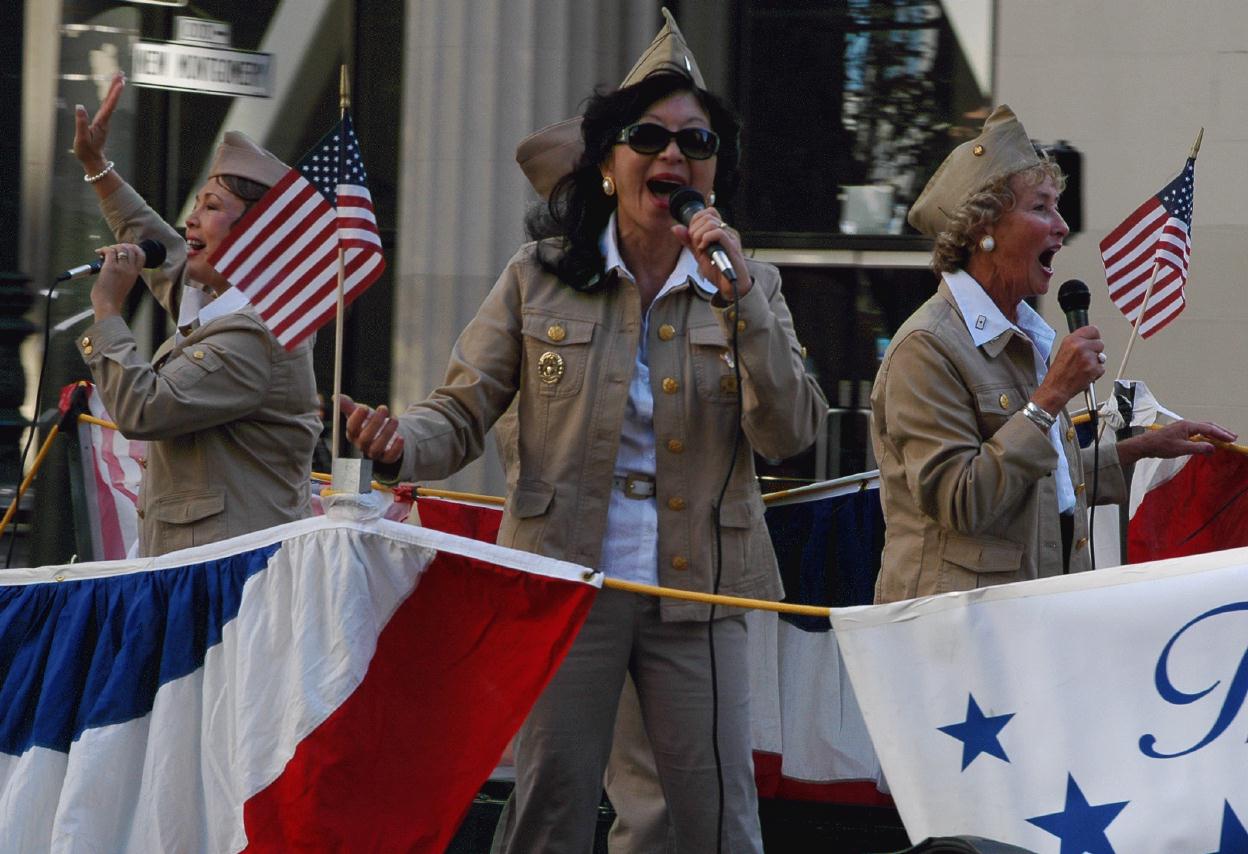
{"points": [[153, 256], [1074, 298], [683, 204]]}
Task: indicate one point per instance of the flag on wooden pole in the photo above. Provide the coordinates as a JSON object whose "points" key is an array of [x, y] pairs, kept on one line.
{"points": [[1158, 234], [283, 254]]}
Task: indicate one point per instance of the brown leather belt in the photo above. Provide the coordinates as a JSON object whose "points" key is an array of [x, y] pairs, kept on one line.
{"points": [[638, 486]]}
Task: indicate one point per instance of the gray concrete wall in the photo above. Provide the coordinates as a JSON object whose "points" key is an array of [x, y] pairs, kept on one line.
{"points": [[1130, 84]]}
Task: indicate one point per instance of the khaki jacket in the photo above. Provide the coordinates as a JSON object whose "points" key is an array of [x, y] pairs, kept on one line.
{"points": [[966, 479], [566, 358], [230, 415]]}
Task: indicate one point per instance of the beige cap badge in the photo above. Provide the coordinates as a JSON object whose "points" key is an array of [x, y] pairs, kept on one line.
{"points": [[550, 153], [238, 155], [1002, 148]]}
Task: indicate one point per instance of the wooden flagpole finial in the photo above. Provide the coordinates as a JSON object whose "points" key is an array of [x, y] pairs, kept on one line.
{"points": [[344, 89], [1196, 144]]}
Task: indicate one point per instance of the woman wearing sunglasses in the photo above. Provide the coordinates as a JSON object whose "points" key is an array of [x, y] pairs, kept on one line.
{"points": [[613, 334]]}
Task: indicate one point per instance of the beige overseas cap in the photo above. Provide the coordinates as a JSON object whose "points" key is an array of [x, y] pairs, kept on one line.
{"points": [[238, 155], [1002, 148], [550, 153]]}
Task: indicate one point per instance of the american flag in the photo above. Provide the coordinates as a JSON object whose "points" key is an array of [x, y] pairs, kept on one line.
{"points": [[283, 254], [1158, 233]]}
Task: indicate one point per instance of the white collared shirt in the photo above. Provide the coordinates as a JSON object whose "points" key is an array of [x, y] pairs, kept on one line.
{"points": [[985, 322], [196, 308], [630, 547]]}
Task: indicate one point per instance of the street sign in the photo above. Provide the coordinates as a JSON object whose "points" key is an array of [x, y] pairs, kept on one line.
{"points": [[201, 31], [201, 68]]}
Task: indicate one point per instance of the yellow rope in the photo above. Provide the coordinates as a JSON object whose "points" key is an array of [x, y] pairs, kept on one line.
{"points": [[712, 599], [1084, 418], [631, 586], [99, 422], [34, 469]]}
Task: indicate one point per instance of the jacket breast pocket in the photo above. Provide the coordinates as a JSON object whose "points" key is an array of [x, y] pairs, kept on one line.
{"points": [[713, 371], [968, 563], [996, 404], [556, 353], [190, 366], [189, 518]]}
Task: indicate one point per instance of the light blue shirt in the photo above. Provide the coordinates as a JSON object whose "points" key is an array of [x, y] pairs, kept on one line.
{"points": [[985, 322], [630, 547]]}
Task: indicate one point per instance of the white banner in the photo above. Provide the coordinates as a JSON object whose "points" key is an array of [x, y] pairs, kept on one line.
{"points": [[1100, 712]]}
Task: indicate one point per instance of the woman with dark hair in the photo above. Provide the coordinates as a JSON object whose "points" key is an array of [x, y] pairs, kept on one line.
{"points": [[636, 421], [231, 416]]}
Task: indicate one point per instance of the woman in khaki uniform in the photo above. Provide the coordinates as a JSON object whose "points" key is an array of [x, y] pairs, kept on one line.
{"points": [[980, 476], [613, 336], [230, 416]]}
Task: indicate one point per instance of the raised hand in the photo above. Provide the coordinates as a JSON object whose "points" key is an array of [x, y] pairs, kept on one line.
{"points": [[90, 134]]}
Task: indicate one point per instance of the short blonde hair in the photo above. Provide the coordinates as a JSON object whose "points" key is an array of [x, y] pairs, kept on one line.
{"points": [[982, 208]]}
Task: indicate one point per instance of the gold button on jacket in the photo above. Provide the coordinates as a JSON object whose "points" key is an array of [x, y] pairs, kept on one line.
{"points": [[670, 386], [667, 332]]}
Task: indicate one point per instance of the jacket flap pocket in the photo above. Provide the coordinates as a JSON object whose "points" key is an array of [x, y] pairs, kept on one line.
{"points": [[530, 498], [1002, 400], [182, 508], [709, 335], [740, 510], [558, 331], [983, 554]]}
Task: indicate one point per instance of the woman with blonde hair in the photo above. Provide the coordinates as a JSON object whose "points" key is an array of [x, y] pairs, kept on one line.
{"points": [[981, 479]]}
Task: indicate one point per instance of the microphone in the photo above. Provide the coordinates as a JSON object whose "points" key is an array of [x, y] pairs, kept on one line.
{"points": [[683, 204], [1074, 298], [153, 256]]}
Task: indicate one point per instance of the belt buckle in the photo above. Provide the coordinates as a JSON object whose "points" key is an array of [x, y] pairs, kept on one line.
{"points": [[630, 487]]}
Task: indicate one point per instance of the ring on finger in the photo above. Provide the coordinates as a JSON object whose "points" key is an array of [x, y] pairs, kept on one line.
{"points": [[123, 255]]}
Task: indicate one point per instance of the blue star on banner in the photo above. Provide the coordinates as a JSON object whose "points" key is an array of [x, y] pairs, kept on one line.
{"points": [[978, 733], [1234, 836], [1079, 825]]}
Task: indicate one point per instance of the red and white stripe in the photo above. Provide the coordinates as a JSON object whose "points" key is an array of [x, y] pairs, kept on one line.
{"points": [[283, 255], [1149, 238]]}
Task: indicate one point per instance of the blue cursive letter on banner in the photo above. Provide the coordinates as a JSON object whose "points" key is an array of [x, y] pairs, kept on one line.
{"points": [[1230, 706]]}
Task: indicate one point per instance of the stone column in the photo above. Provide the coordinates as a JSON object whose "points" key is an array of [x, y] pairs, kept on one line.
{"points": [[478, 78]]}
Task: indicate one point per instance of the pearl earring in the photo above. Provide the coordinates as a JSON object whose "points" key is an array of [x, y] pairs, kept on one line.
{"points": [[710, 200], [608, 185], [986, 243]]}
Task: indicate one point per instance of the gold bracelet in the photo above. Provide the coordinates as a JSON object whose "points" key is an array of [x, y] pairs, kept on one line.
{"points": [[91, 179]]}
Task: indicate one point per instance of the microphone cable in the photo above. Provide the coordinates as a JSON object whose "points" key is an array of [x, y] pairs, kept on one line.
{"points": [[719, 561], [34, 422], [1096, 480]]}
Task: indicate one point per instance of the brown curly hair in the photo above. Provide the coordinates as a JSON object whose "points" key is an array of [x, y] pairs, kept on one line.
{"points": [[982, 208]]}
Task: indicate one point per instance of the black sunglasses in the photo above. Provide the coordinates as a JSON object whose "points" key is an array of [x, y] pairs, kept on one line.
{"points": [[649, 138]]}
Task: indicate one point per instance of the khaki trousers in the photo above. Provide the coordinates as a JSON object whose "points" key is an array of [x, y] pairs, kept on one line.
{"points": [[562, 749], [641, 823]]}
